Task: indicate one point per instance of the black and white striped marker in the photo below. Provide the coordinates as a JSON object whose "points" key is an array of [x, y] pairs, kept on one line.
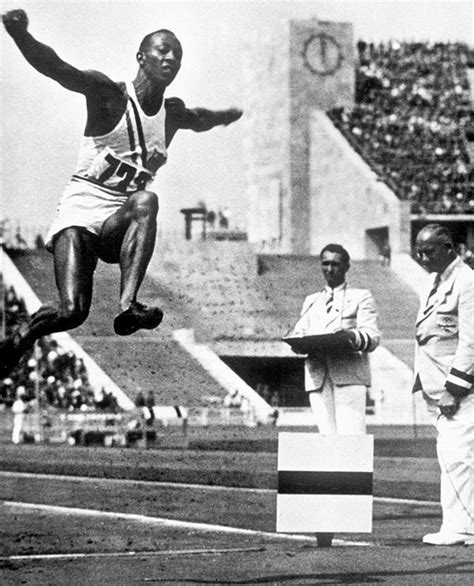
{"points": [[324, 483]]}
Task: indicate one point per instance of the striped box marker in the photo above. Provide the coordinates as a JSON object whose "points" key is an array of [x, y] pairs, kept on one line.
{"points": [[325, 483]]}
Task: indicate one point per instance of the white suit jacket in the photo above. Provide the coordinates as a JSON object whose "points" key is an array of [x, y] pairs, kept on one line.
{"points": [[356, 312], [445, 334]]}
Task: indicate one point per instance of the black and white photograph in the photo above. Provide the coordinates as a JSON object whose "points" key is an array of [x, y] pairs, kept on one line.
{"points": [[236, 292]]}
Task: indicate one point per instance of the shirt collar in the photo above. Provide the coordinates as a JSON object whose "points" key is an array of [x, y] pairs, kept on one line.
{"points": [[448, 271], [340, 287]]}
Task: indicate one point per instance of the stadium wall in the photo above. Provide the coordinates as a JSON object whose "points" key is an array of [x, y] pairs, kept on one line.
{"points": [[347, 199]]}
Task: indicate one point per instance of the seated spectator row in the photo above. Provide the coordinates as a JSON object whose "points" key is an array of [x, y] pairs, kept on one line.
{"points": [[48, 374], [410, 122]]}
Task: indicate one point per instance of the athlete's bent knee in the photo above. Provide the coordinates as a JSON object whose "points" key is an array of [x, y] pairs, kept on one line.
{"points": [[73, 315], [145, 203]]}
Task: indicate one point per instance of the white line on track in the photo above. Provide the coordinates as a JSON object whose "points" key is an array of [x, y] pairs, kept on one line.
{"points": [[170, 523], [213, 487], [394, 501], [119, 554]]}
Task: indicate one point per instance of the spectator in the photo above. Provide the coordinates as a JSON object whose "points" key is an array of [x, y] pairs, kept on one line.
{"points": [[466, 254], [386, 254], [140, 400], [223, 220], [20, 242], [211, 218], [39, 242], [19, 408], [150, 403], [233, 400]]}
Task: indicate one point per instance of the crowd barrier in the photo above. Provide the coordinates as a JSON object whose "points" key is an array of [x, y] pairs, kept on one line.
{"points": [[127, 428], [209, 416], [98, 428], [45, 426]]}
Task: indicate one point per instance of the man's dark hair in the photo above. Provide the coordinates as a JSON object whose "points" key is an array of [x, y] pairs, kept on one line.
{"points": [[338, 249], [441, 233], [146, 41]]}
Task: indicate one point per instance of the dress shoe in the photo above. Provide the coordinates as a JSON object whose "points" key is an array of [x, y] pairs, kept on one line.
{"points": [[449, 538]]}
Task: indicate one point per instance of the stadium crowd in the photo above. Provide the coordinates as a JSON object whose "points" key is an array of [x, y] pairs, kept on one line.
{"points": [[411, 122], [48, 375]]}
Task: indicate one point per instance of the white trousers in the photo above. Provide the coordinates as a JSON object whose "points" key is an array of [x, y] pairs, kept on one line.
{"points": [[339, 409], [18, 419], [455, 447]]}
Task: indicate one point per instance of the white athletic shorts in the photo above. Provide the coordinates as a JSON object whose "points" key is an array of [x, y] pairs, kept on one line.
{"points": [[83, 205]]}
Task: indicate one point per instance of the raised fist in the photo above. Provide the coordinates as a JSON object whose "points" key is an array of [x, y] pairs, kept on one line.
{"points": [[15, 22]]}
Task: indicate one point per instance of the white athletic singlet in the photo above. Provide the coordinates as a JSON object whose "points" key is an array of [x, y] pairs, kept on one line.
{"points": [[128, 157]]}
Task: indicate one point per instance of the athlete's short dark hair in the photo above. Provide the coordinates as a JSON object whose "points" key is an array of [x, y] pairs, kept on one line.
{"points": [[146, 41], [338, 249]]}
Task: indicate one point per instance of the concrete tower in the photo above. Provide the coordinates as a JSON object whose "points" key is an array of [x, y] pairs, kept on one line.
{"points": [[291, 70]]}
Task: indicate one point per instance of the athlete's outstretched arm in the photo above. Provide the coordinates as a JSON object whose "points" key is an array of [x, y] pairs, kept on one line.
{"points": [[45, 60], [199, 119]]}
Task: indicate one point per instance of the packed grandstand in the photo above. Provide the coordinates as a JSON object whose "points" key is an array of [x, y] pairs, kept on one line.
{"points": [[412, 122]]}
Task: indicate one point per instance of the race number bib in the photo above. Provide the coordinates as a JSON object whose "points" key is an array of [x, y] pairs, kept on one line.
{"points": [[110, 170]]}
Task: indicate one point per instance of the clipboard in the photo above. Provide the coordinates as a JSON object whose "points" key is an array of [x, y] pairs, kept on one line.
{"points": [[337, 343]]}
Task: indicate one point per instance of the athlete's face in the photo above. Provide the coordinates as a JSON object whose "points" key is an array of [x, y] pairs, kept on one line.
{"points": [[334, 268], [161, 61]]}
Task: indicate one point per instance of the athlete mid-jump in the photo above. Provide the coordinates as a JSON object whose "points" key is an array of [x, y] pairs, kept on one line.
{"points": [[107, 210]]}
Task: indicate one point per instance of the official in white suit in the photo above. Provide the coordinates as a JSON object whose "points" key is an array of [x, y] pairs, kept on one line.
{"points": [[337, 382], [444, 373]]}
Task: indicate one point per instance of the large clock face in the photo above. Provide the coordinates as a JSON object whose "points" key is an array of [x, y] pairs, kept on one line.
{"points": [[322, 54]]}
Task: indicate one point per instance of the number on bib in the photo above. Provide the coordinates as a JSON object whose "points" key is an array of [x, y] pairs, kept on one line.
{"points": [[129, 172]]}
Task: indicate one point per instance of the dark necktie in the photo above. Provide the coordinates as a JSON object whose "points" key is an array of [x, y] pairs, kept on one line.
{"points": [[429, 300], [329, 300]]}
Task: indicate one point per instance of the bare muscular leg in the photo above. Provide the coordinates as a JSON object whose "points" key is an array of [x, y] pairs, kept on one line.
{"points": [[75, 260], [128, 237]]}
